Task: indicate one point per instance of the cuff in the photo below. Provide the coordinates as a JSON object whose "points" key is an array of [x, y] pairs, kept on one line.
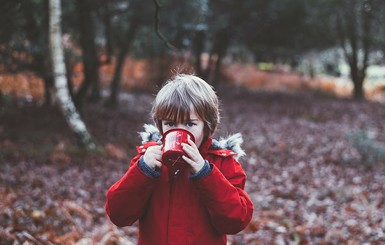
{"points": [[202, 173], [147, 170]]}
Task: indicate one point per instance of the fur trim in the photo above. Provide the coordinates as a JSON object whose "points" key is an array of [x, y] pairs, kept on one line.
{"points": [[232, 143], [151, 133]]}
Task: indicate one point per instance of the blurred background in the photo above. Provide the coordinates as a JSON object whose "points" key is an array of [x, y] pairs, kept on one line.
{"points": [[303, 80], [113, 45]]}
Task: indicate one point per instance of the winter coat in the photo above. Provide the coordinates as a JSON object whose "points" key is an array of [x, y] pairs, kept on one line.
{"points": [[181, 208]]}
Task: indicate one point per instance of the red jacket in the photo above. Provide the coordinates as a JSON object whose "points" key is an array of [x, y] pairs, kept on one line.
{"points": [[178, 210]]}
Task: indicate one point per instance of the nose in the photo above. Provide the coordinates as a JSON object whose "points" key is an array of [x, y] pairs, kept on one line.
{"points": [[182, 126]]}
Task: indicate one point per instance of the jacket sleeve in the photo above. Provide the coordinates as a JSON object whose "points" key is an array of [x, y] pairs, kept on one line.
{"points": [[127, 199], [222, 191]]}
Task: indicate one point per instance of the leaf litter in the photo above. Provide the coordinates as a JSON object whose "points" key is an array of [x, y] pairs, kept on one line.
{"points": [[309, 185]]}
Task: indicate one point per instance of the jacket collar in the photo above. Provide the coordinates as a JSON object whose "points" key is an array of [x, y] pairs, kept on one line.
{"points": [[230, 144], [205, 146]]}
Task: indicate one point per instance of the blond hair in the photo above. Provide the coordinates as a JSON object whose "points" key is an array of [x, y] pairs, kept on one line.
{"points": [[183, 93]]}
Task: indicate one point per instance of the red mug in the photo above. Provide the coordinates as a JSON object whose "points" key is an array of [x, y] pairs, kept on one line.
{"points": [[172, 148]]}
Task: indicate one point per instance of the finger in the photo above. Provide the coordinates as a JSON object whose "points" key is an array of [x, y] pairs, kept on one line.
{"points": [[158, 163], [157, 158], [192, 143], [158, 147], [157, 150], [185, 147], [189, 151], [190, 147], [194, 166], [189, 161], [153, 147]]}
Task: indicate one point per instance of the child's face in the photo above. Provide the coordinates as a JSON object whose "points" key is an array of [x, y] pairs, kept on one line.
{"points": [[194, 126]]}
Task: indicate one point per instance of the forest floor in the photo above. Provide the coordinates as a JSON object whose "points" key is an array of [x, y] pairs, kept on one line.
{"points": [[308, 183]]}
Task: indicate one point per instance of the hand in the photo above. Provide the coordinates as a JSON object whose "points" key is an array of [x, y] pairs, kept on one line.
{"points": [[152, 157], [194, 157]]}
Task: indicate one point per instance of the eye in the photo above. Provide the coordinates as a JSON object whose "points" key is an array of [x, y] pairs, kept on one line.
{"points": [[169, 123], [190, 124]]}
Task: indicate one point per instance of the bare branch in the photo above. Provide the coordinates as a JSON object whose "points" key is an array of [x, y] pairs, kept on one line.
{"points": [[156, 26]]}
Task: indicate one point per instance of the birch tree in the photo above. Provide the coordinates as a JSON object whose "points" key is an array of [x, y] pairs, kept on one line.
{"points": [[60, 80]]}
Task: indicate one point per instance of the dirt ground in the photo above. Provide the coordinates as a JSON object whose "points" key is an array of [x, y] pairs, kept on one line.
{"points": [[308, 183]]}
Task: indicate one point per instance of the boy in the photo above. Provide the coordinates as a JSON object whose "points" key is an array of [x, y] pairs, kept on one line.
{"points": [[195, 205]]}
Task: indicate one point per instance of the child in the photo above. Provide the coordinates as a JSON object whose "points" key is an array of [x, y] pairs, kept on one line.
{"points": [[198, 205]]}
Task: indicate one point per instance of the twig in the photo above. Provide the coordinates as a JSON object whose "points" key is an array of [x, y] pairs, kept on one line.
{"points": [[31, 238], [156, 26]]}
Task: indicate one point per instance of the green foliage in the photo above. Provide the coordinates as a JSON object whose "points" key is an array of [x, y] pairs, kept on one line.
{"points": [[371, 151]]}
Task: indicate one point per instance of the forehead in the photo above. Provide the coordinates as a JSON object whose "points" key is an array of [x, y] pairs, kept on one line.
{"points": [[193, 115], [182, 116]]}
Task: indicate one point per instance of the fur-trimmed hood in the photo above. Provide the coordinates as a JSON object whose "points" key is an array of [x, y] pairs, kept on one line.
{"points": [[232, 143]]}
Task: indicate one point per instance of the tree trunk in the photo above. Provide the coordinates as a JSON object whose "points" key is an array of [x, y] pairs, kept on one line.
{"points": [[125, 46], [358, 81], [48, 84], [66, 104], [355, 37], [198, 47], [358, 92], [221, 45], [108, 31], [37, 33], [90, 58], [69, 72]]}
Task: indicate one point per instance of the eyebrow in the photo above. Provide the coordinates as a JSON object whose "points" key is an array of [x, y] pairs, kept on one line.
{"points": [[171, 120]]}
